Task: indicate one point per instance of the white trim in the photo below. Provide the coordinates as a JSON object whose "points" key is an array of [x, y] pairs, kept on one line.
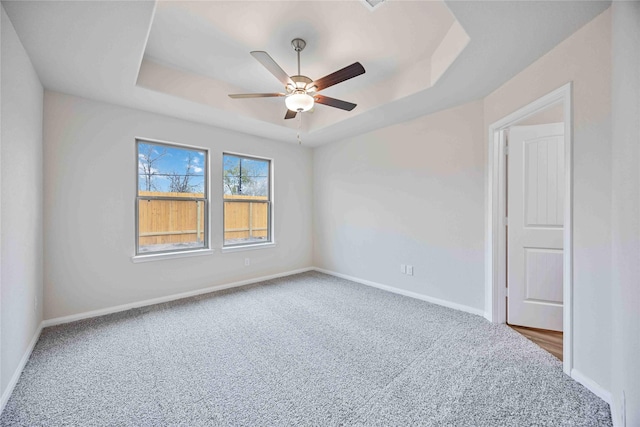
{"points": [[159, 300], [16, 374], [495, 262], [165, 142], [241, 248], [406, 293], [618, 417], [593, 386], [146, 41], [170, 255]]}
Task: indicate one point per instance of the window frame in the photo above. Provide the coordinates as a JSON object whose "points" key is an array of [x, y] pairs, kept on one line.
{"points": [[269, 202], [173, 253]]}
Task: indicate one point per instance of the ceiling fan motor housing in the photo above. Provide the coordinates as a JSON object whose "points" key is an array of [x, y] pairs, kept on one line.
{"points": [[300, 84]]}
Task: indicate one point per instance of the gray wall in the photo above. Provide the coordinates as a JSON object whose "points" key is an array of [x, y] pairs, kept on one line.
{"points": [[21, 201], [625, 281], [407, 194], [584, 58], [414, 193], [89, 169]]}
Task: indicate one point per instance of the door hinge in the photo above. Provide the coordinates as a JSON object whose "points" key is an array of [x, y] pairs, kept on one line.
{"points": [[506, 221], [506, 150], [506, 292]]}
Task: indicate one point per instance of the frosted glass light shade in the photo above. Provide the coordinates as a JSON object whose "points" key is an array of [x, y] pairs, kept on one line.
{"points": [[299, 102]]}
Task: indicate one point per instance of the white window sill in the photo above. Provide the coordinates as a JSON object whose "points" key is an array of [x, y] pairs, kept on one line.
{"points": [[171, 255], [248, 247]]}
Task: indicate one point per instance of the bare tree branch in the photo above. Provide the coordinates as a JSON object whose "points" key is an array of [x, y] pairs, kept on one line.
{"points": [[146, 162]]}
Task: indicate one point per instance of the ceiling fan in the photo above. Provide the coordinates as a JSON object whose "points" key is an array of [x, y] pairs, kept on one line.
{"points": [[300, 91]]}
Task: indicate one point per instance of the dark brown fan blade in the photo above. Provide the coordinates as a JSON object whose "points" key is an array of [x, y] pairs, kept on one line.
{"points": [[290, 114], [255, 95], [272, 66], [339, 76], [332, 102]]}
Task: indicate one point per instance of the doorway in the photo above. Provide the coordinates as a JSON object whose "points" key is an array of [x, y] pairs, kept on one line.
{"points": [[529, 256]]}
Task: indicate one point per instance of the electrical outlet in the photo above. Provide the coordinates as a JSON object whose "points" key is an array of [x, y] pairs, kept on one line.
{"points": [[403, 269], [410, 270], [247, 262]]}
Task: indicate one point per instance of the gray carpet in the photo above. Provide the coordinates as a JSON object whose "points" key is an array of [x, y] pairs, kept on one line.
{"points": [[310, 350]]}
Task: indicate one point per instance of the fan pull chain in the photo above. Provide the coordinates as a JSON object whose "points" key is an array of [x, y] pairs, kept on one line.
{"points": [[299, 126]]}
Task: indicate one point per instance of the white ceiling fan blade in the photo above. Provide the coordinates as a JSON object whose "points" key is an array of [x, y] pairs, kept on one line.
{"points": [[273, 67], [255, 95]]}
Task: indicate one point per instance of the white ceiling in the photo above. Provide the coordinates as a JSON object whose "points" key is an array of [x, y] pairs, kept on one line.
{"points": [[212, 40], [95, 49]]}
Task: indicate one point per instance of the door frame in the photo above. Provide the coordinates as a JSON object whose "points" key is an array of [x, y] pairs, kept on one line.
{"points": [[495, 232]]}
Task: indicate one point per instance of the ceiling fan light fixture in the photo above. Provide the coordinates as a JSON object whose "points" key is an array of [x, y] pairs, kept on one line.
{"points": [[299, 101], [302, 92]]}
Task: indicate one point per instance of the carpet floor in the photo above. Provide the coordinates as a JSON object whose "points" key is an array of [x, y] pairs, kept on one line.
{"points": [[310, 350]]}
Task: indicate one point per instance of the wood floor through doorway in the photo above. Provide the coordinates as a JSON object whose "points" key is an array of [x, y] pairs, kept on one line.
{"points": [[548, 340]]}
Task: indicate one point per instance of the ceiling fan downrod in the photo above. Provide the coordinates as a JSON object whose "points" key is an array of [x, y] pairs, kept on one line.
{"points": [[298, 98], [298, 46]]}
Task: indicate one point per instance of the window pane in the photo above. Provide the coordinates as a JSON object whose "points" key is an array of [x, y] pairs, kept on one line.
{"points": [[255, 186], [247, 205], [231, 174], [245, 176], [246, 221], [169, 225], [170, 179], [169, 169]]}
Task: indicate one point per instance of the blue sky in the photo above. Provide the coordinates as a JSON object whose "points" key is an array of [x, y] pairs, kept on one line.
{"points": [[167, 160], [158, 164]]}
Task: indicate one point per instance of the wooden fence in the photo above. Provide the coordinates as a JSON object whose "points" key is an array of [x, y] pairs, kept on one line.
{"points": [[246, 220], [182, 221]]}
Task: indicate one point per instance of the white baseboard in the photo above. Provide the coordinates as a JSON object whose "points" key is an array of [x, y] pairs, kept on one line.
{"points": [[406, 293], [159, 300], [593, 386], [18, 371]]}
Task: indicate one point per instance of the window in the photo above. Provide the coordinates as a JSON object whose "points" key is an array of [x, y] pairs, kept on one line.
{"points": [[247, 200], [171, 203]]}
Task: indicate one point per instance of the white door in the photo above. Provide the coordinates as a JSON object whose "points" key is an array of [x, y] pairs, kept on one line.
{"points": [[535, 210]]}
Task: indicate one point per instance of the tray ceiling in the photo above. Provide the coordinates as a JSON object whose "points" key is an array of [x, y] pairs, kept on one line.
{"points": [[181, 59]]}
